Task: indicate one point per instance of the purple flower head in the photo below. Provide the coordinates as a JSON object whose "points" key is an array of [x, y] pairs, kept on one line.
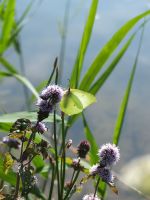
{"points": [[90, 197], [83, 148], [109, 154], [94, 170], [11, 142], [106, 175], [41, 128], [52, 93], [44, 105]]}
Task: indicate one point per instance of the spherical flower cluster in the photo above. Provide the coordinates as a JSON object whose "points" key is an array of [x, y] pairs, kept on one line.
{"points": [[49, 97], [41, 128], [90, 197], [106, 174], [83, 148], [44, 105], [109, 154], [53, 93]]}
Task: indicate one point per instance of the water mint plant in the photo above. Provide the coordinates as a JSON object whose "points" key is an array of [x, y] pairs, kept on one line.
{"points": [[49, 166]]}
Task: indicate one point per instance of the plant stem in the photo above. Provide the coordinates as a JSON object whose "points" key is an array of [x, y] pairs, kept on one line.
{"points": [[63, 160], [72, 184], [56, 155], [52, 183], [17, 185], [97, 186]]}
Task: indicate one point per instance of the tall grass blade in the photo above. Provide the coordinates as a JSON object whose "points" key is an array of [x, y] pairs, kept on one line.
{"points": [[99, 83], [9, 20], [22, 80], [7, 65], [107, 50], [75, 76], [93, 145], [124, 104]]}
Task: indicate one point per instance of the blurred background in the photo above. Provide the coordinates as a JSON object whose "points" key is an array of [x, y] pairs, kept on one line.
{"points": [[42, 38]]}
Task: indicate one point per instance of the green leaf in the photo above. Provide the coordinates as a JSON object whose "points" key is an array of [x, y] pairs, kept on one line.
{"points": [[5, 127], [32, 116], [124, 103], [39, 163], [84, 44], [36, 191], [22, 80], [91, 139], [7, 65], [74, 101], [99, 83], [10, 177], [9, 19], [8, 162], [107, 50]]}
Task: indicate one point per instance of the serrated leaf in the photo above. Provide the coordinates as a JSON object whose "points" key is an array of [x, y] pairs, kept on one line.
{"points": [[10, 177], [75, 101], [8, 162]]}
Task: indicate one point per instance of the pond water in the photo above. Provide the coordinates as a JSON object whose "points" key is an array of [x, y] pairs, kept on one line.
{"points": [[41, 41]]}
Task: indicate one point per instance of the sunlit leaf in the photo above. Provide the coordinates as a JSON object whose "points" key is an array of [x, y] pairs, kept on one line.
{"points": [[32, 116], [107, 50], [124, 103], [7, 65], [74, 101], [106, 74], [9, 19], [75, 76], [23, 80], [10, 177], [8, 162]]}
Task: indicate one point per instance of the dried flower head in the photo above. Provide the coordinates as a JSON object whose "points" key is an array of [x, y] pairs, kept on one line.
{"points": [[52, 93], [90, 197], [41, 128], [11, 142], [109, 154], [106, 175], [83, 148]]}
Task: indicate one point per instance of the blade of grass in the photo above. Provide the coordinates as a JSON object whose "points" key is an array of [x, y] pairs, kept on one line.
{"points": [[107, 50], [124, 103], [7, 65], [22, 80], [75, 76], [99, 83], [9, 19]]}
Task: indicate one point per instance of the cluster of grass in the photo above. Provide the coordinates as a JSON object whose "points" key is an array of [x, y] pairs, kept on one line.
{"points": [[81, 93]]}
